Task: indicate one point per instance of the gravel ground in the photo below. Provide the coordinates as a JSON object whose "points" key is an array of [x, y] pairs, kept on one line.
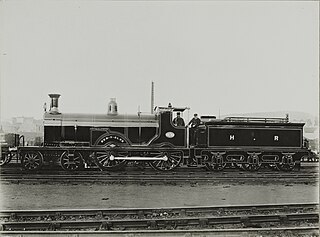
{"points": [[82, 196]]}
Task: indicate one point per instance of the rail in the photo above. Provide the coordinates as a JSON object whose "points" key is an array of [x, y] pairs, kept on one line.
{"points": [[149, 176], [270, 231], [146, 211], [159, 218]]}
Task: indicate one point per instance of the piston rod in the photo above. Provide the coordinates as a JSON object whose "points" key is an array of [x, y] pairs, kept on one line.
{"points": [[138, 158]]}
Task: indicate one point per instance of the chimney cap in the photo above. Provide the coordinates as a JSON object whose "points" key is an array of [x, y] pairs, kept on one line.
{"points": [[54, 95]]}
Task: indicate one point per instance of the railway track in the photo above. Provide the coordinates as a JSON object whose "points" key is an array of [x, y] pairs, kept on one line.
{"points": [[274, 217], [188, 175], [284, 232], [16, 167], [165, 180], [14, 174]]}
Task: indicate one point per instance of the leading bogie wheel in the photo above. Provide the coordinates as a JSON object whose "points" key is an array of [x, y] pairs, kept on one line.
{"points": [[71, 161], [32, 160]]}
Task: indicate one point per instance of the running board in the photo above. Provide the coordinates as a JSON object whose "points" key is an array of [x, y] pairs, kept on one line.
{"points": [[138, 158]]}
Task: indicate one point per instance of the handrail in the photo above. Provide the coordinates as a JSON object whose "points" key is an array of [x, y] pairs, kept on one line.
{"points": [[257, 119]]}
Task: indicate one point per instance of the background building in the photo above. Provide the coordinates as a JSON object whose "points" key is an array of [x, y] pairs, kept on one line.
{"points": [[30, 128]]}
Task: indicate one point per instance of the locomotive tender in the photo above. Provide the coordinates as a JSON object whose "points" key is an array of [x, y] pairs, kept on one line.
{"points": [[111, 140]]}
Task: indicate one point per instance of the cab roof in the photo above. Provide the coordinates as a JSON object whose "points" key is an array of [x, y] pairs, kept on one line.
{"points": [[171, 109]]}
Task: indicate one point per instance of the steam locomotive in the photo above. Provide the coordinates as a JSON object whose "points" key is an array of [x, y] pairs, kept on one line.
{"points": [[111, 141]]}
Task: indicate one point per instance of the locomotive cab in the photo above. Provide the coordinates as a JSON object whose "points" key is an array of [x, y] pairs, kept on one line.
{"points": [[170, 134]]}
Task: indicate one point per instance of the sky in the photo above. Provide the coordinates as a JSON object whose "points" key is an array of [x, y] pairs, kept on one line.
{"points": [[228, 57]]}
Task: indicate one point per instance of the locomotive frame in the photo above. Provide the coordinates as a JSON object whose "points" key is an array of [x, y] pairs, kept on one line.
{"points": [[111, 141]]}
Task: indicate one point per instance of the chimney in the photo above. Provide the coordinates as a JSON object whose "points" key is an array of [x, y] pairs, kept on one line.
{"points": [[112, 107], [54, 103]]}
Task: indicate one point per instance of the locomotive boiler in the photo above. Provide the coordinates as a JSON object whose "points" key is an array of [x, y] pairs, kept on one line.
{"points": [[112, 140]]}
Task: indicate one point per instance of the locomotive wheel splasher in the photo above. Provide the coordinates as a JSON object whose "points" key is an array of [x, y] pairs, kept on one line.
{"points": [[106, 159]]}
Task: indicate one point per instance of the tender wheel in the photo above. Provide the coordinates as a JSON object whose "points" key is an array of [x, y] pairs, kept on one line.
{"points": [[171, 160], [71, 161], [235, 161], [32, 160], [273, 167], [251, 167], [253, 163], [215, 167], [285, 167], [286, 164], [217, 163]]}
